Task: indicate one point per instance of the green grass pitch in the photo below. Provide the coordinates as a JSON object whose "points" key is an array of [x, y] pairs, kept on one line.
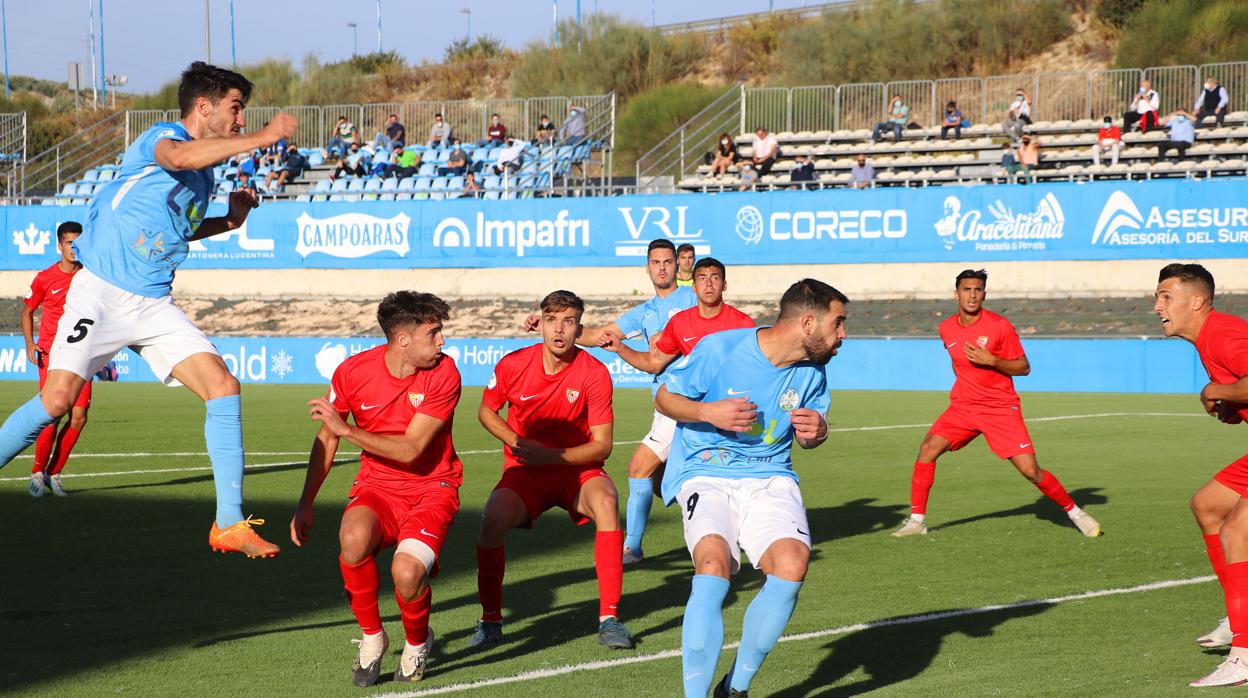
{"points": [[115, 592]]}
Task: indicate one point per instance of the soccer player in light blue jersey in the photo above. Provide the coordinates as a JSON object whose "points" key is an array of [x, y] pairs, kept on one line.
{"points": [[139, 228], [644, 321], [741, 398]]}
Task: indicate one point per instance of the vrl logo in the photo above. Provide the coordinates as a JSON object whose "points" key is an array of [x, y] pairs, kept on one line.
{"points": [[660, 220]]}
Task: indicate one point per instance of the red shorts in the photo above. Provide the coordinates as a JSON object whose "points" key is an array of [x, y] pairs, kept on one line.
{"points": [[543, 487], [84, 395], [425, 515], [1003, 427], [1235, 476]]}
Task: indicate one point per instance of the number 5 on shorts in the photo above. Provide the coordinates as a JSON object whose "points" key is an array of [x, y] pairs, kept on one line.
{"points": [[691, 504], [80, 331]]}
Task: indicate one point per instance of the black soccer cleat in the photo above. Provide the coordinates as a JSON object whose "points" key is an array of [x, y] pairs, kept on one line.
{"points": [[722, 690]]}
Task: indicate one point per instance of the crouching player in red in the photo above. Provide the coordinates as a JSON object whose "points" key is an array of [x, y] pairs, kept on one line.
{"points": [[986, 354], [556, 438], [402, 396], [1185, 306]]}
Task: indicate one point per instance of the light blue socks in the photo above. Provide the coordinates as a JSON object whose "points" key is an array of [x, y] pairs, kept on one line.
{"points": [[22, 428], [702, 635], [764, 622], [640, 496], [223, 432]]}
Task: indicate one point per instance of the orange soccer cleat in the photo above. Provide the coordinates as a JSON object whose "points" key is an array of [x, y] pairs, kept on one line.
{"points": [[240, 538]]}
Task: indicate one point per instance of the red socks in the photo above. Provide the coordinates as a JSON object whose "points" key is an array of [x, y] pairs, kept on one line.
{"points": [[64, 445], [608, 562], [361, 582], [1235, 585], [1053, 489], [491, 563], [43, 448], [921, 485], [415, 616], [1217, 557]]}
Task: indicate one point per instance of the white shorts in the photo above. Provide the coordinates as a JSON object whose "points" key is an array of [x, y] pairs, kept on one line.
{"points": [[101, 319], [750, 514], [659, 440]]}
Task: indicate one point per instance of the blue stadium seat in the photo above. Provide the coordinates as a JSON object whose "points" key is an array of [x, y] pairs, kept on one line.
{"points": [[303, 197], [90, 175], [68, 189], [374, 184], [316, 158], [437, 190], [491, 182], [339, 186], [84, 189], [355, 185], [382, 157], [442, 156], [106, 175], [423, 184], [229, 172], [427, 169], [490, 195], [386, 197], [322, 185], [390, 184], [403, 197], [48, 202], [78, 202], [408, 184], [225, 187]]}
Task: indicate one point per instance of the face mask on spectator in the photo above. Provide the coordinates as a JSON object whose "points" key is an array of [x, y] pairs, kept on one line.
{"points": [[1143, 90], [1180, 118], [1018, 98], [723, 141], [1109, 122]]}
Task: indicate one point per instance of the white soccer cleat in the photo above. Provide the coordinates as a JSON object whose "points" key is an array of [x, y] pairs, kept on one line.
{"points": [[38, 487], [1218, 637], [632, 558], [414, 660], [1231, 672], [1085, 523], [58, 487], [367, 667], [911, 528]]}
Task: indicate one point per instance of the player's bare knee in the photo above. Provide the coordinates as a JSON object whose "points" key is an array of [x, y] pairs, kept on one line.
{"points": [[493, 531], [355, 544], [410, 577], [56, 402], [78, 419], [790, 566], [931, 448]]}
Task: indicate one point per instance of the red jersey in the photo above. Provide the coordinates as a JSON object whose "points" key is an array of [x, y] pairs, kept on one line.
{"points": [[688, 327], [980, 385], [49, 290], [1223, 348], [382, 404], [555, 411]]}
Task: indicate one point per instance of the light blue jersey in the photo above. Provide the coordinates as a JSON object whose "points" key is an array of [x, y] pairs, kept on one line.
{"points": [[139, 225], [649, 318], [730, 364]]}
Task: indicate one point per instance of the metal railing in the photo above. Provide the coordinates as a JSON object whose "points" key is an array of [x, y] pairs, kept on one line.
{"points": [[673, 155], [720, 24], [44, 173], [13, 136]]}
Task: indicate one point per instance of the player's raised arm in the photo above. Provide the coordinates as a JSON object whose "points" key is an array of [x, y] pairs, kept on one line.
{"points": [[320, 460], [653, 361], [172, 154]]}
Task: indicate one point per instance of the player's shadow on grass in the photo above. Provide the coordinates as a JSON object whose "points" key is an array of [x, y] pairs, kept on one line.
{"points": [[195, 479], [1043, 508], [899, 649], [854, 518]]}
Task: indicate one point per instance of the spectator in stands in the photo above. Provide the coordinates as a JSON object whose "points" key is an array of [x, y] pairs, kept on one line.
{"points": [[1182, 134], [1143, 110], [1211, 101], [246, 164], [512, 157], [802, 176], [390, 135], [245, 181], [456, 162], [898, 117], [407, 164], [353, 163], [725, 155], [342, 137], [572, 132], [1018, 116], [749, 178], [384, 164], [289, 170], [1009, 163], [496, 132], [1028, 156], [952, 120], [1108, 140], [861, 175], [273, 155], [472, 190], [765, 150], [440, 133], [545, 131], [686, 255]]}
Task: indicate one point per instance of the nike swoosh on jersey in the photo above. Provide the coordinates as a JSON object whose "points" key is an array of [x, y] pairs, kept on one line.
{"points": [[689, 339], [365, 406], [952, 344], [56, 291], [527, 397], [732, 391], [1024, 445], [423, 532]]}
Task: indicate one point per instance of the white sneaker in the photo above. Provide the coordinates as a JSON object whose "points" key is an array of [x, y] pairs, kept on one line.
{"points": [[911, 528], [1085, 523], [58, 487], [632, 558], [412, 663], [1218, 637], [367, 667], [1231, 672], [38, 486]]}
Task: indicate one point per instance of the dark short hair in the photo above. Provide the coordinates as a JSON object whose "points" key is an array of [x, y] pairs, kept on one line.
{"points": [[1189, 274], [980, 274], [562, 300], [410, 309], [684, 247], [495, 114], [438, 115], [760, 128], [394, 115], [211, 83], [660, 244], [710, 262], [809, 295], [67, 228]]}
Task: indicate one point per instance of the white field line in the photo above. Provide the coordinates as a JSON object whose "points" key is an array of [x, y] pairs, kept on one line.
{"points": [[843, 630]]}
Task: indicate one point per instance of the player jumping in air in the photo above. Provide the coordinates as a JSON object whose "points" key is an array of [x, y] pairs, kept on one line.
{"points": [[646, 321], [556, 437], [402, 398], [48, 292], [986, 354], [741, 399], [139, 227], [1185, 305]]}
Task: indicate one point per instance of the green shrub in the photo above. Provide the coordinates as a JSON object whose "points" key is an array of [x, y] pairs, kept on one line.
{"points": [[652, 115], [1185, 32], [1117, 12], [485, 46]]}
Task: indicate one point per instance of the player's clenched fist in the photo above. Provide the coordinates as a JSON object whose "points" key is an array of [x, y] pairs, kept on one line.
{"points": [[322, 411], [281, 126], [808, 425], [730, 414]]}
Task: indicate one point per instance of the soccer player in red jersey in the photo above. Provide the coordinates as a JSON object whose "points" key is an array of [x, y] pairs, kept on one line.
{"points": [[986, 354], [1185, 305], [402, 397], [48, 292], [556, 438]]}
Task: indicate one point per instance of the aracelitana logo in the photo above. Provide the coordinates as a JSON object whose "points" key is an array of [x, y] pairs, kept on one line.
{"points": [[1123, 224], [352, 235], [32, 240], [519, 235], [848, 224], [1005, 230], [656, 221]]}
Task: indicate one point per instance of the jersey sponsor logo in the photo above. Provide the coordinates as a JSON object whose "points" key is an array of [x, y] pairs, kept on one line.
{"points": [[518, 235], [982, 341], [1006, 230], [572, 395], [415, 398], [32, 240], [662, 221], [1122, 224], [352, 235], [788, 400], [867, 224]]}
